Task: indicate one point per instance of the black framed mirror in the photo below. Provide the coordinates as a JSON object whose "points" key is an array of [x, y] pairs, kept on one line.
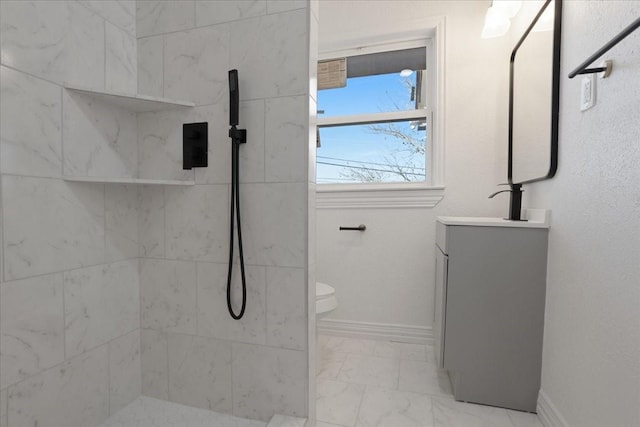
{"points": [[534, 95]]}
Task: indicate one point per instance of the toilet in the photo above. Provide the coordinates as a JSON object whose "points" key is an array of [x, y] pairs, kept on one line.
{"points": [[326, 300]]}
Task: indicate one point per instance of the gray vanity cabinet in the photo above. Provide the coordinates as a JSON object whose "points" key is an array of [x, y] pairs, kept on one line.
{"points": [[490, 295]]}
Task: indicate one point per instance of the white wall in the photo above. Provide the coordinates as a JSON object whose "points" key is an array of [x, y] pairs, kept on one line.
{"points": [[386, 274], [591, 351]]}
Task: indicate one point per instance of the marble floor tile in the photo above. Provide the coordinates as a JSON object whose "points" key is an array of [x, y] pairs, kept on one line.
{"points": [[449, 413], [401, 350], [431, 354], [337, 402], [346, 345], [423, 377], [323, 424], [390, 408], [422, 397], [150, 412], [524, 419], [329, 365], [376, 371]]}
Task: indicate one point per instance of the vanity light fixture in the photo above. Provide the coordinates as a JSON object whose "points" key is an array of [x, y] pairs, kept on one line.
{"points": [[498, 18], [509, 8]]}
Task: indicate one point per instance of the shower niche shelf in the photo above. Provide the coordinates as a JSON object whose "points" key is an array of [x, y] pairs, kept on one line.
{"points": [[133, 103], [117, 138]]}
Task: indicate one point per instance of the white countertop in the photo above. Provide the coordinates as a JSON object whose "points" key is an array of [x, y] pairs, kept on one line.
{"points": [[536, 218]]}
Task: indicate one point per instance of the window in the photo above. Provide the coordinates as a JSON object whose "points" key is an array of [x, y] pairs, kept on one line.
{"points": [[374, 117]]}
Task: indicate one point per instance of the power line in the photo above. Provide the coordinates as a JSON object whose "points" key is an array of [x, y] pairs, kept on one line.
{"points": [[366, 163], [368, 169]]}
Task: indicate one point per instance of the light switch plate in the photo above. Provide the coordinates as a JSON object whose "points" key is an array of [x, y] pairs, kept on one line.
{"points": [[587, 92]]}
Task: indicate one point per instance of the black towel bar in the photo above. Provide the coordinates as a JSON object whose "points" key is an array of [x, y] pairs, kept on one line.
{"points": [[582, 68], [361, 227]]}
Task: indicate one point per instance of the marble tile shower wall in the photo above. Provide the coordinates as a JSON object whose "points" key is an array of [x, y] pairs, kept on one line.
{"points": [[192, 351], [69, 297]]}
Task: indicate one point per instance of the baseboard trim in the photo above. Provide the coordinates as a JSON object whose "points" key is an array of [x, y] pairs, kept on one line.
{"points": [[378, 331], [548, 413]]}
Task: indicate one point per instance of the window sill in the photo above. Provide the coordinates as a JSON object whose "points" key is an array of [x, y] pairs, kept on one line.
{"points": [[362, 196]]}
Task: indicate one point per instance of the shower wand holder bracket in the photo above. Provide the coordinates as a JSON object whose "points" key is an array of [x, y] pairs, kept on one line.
{"points": [[238, 136], [195, 145]]}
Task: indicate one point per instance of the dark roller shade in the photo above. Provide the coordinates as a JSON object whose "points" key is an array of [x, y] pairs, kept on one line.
{"points": [[387, 62]]}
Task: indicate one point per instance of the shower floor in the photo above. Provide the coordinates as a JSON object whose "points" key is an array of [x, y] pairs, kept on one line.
{"points": [[149, 412]]}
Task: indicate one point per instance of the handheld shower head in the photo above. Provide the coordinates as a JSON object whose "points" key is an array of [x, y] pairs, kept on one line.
{"points": [[234, 98]]}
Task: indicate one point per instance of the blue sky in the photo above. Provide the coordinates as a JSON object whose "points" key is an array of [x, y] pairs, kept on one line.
{"points": [[358, 146]]}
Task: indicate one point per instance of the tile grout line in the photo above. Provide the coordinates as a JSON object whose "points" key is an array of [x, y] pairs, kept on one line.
{"points": [[264, 140], [233, 21], [104, 221], [164, 220], [195, 15], [164, 41], [166, 335], [140, 307], [64, 316], [433, 413], [361, 402], [2, 223], [231, 352], [197, 305], [63, 85], [229, 340], [97, 14], [109, 378], [68, 270], [104, 54], [61, 132]]}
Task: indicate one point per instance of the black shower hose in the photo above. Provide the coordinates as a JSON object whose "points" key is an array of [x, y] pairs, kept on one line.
{"points": [[235, 206]]}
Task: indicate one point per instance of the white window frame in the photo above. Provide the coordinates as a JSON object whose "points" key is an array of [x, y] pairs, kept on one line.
{"points": [[397, 195]]}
